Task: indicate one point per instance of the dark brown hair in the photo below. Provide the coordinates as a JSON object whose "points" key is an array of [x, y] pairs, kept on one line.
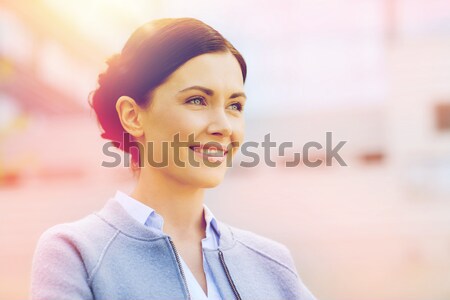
{"points": [[153, 52]]}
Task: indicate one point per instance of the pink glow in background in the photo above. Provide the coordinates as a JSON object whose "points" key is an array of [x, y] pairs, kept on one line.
{"points": [[375, 73]]}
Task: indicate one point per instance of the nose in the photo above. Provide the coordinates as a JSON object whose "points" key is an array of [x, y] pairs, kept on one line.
{"points": [[220, 123]]}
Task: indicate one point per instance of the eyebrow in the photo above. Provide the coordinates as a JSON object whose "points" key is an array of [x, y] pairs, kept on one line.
{"points": [[210, 92]]}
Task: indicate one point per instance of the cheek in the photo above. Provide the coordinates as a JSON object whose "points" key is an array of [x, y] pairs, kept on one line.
{"points": [[238, 132], [166, 126], [188, 123], [239, 127]]}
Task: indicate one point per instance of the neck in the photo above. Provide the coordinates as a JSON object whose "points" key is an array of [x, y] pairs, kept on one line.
{"points": [[180, 205]]}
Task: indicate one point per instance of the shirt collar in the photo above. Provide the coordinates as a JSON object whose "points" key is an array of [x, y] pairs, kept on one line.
{"points": [[146, 215], [138, 210], [210, 221]]}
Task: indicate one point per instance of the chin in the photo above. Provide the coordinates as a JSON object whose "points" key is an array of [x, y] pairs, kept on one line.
{"points": [[201, 177], [207, 179], [210, 182]]}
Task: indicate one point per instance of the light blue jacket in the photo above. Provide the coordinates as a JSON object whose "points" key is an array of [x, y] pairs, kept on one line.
{"points": [[110, 256]]}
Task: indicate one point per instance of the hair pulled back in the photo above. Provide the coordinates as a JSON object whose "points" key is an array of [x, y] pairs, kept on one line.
{"points": [[153, 52]]}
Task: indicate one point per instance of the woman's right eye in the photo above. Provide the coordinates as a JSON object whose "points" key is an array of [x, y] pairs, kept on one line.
{"points": [[196, 100]]}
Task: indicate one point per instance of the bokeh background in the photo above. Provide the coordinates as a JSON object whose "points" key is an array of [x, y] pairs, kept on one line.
{"points": [[375, 73]]}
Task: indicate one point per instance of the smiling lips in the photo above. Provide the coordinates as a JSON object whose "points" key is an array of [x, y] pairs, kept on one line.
{"points": [[212, 153]]}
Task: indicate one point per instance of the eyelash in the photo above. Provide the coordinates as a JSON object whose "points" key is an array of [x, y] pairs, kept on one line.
{"points": [[240, 107]]}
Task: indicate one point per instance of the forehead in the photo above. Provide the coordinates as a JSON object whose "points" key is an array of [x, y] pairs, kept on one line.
{"points": [[212, 70]]}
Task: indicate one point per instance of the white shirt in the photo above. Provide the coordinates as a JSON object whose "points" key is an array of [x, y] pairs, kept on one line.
{"points": [[149, 217]]}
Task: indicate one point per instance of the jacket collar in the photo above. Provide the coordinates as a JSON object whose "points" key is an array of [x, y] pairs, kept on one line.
{"points": [[116, 216]]}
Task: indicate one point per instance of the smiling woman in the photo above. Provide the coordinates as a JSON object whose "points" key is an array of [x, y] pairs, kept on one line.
{"points": [[174, 79], [210, 114]]}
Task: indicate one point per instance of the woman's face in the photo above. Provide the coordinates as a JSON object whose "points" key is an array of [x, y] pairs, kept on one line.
{"points": [[202, 99]]}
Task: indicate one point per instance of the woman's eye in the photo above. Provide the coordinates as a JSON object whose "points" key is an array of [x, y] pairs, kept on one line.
{"points": [[196, 100], [236, 106]]}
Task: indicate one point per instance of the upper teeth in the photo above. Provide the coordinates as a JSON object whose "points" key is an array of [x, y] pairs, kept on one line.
{"points": [[208, 151]]}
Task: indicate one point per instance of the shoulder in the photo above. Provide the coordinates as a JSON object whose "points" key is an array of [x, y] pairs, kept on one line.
{"points": [[265, 247], [83, 231], [255, 240], [66, 257], [275, 252], [79, 243]]}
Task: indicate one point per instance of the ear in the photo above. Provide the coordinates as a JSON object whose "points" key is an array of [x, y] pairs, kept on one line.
{"points": [[130, 115]]}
